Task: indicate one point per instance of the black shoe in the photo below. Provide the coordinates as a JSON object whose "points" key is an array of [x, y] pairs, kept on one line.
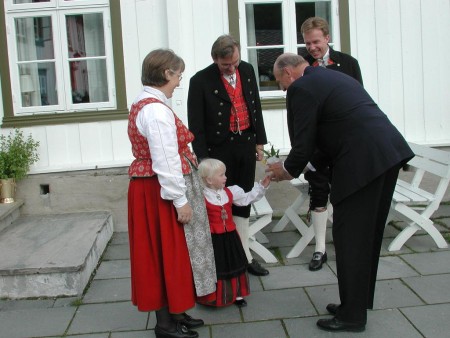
{"points": [[335, 325], [191, 323], [240, 302], [181, 331], [317, 260], [332, 308], [256, 269]]}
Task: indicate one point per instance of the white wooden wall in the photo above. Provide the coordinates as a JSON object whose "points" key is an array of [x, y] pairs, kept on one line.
{"points": [[402, 46]]}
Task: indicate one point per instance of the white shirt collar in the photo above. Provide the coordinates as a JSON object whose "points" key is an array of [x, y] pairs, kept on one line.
{"points": [[212, 196], [156, 93]]}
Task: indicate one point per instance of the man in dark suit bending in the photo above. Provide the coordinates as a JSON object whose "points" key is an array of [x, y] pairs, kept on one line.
{"points": [[331, 112]]}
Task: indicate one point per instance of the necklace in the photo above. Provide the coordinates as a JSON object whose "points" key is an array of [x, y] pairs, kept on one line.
{"points": [[223, 212]]}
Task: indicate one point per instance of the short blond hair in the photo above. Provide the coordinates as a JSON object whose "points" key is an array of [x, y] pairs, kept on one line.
{"points": [[209, 166]]}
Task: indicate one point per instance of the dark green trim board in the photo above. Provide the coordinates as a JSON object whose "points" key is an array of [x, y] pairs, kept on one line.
{"points": [[344, 26], [120, 113], [233, 18]]}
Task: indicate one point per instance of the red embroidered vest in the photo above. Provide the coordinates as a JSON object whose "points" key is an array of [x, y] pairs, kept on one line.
{"points": [[239, 117], [142, 165], [216, 223]]}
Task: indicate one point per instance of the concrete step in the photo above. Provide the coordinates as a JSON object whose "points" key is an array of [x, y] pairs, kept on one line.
{"points": [[52, 255], [9, 212]]}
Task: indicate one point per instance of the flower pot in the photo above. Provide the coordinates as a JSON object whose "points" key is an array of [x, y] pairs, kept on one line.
{"points": [[7, 190]]}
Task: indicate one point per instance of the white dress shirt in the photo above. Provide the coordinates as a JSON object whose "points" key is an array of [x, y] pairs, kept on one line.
{"points": [[240, 197], [157, 123]]}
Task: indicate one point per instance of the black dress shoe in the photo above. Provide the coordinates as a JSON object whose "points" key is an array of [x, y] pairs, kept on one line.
{"points": [[181, 331], [191, 323], [332, 308], [336, 325], [317, 260], [256, 269], [240, 302]]}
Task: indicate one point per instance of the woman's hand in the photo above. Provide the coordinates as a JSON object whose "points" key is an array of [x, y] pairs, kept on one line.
{"points": [[185, 213], [259, 152]]}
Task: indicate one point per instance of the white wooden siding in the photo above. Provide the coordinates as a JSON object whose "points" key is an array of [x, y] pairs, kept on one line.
{"points": [[402, 47]]}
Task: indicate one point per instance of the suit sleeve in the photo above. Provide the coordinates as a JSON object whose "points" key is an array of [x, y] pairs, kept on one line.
{"points": [[304, 110], [196, 111]]}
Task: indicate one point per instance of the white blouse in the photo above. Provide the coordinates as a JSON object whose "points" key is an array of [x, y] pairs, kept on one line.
{"points": [[240, 197], [157, 123]]}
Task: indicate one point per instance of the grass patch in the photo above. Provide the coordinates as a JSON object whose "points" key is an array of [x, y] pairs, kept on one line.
{"points": [[77, 302]]}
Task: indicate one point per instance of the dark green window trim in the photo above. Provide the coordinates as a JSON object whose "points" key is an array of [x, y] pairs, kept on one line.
{"points": [[344, 25], [121, 113]]}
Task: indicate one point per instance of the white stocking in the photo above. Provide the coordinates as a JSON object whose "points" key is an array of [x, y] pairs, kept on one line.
{"points": [[319, 222], [242, 225]]}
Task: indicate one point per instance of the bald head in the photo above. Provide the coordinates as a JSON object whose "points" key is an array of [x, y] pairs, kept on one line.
{"points": [[287, 68]]}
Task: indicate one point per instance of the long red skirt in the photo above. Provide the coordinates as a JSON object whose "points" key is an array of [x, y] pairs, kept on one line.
{"points": [[161, 274]]}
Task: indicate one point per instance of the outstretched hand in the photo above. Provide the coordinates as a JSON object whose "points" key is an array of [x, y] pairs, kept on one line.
{"points": [[265, 181], [277, 172]]}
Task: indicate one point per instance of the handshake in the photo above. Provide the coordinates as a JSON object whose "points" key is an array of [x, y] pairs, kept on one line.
{"points": [[276, 171]]}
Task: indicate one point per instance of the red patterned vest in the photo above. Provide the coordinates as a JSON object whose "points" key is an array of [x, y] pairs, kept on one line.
{"points": [[239, 117], [142, 165]]}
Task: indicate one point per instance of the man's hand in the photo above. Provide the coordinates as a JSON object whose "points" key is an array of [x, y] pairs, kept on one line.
{"points": [[277, 172]]}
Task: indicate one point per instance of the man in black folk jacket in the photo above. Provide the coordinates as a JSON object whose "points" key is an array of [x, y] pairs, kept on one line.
{"points": [[225, 116], [316, 36], [331, 112]]}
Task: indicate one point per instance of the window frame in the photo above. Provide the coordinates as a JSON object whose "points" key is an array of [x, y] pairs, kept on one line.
{"points": [[120, 112], [289, 32]]}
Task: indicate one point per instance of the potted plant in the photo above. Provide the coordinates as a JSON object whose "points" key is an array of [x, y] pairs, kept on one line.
{"points": [[272, 155], [17, 154]]}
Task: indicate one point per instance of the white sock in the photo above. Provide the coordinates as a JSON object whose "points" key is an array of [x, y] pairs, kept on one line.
{"points": [[242, 225], [319, 222]]}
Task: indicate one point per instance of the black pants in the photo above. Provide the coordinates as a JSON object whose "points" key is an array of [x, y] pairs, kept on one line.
{"points": [[358, 226], [239, 155]]}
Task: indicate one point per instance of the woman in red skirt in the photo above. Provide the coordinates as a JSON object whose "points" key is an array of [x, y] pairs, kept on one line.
{"points": [[231, 261], [161, 178]]}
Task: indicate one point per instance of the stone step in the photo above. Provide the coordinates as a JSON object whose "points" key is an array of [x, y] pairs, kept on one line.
{"points": [[52, 255], [9, 212]]}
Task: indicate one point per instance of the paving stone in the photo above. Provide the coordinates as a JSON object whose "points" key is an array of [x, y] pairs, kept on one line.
{"points": [[380, 323], [114, 269], [99, 335], [216, 315], [323, 295], [273, 329], [108, 290], [115, 252], [430, 320], [293, 276], [134, 334], [277, 304], [120, 238], [35, 322], [432, 289], [282, 239], [97, 318], [393, 293], [389, 267], [422, 243], [429, 263]]}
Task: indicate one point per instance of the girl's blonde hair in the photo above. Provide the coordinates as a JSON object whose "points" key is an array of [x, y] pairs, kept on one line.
{"points": [[209, 166]]}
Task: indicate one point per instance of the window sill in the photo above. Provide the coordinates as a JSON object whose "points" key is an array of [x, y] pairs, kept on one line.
{"points": [[272, 103]]}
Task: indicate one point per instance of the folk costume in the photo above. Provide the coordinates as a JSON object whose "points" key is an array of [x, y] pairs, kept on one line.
{"points": [[230, 258], [170, 263]]}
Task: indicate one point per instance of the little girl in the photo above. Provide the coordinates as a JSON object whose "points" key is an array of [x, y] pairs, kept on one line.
{"points": [[230, 258]]}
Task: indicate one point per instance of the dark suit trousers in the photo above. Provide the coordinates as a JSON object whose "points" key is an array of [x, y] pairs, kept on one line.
{"points": [[358, 226], [239, 155]]}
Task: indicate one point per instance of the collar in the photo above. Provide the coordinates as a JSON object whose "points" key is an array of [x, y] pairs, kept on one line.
{"points": [[211, 195], [156, 93]]}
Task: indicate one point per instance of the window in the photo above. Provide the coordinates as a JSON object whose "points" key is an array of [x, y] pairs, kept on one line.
{"points": [[269, 28], [60, 55]]}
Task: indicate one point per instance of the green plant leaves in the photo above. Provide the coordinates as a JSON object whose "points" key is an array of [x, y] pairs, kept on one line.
{"points": [[17, 154]]}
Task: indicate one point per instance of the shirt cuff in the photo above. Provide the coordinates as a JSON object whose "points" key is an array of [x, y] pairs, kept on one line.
{"points": [[179, 202]]}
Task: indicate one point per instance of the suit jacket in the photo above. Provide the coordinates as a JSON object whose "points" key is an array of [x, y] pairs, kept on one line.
{"points": [[343, 63], [209, 107], [331, 111]]}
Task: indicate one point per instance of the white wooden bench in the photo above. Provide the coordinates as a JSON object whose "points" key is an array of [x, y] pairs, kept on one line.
{"points": [[291, 215], [260, 216], [413, 204]]}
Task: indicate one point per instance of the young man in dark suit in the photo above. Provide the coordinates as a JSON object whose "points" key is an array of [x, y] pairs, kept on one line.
{"points": [[316, 36], [225, 115], [331, 112]]}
